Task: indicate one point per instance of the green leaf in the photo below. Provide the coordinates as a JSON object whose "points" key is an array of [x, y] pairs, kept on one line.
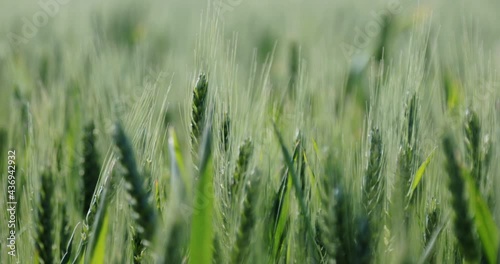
{"points": [[178, 180], [202, 230], [99, 232], [420, 173], [295, 183], [486, 227], [99, 253], [283, 209]]}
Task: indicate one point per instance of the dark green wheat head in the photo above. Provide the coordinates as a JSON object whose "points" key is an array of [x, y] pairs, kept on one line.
{"points": [[143, 211], [198, 112], [464, 227], [91, 166], [373, 183], [408, 149], [299, 159], [294, 64], [225, 132], [247, 222], [342, 226], [472, 129], [244, 156], [44, 229]]}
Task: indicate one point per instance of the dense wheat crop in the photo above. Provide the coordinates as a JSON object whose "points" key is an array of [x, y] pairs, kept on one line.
{"points": [[228, 131]]}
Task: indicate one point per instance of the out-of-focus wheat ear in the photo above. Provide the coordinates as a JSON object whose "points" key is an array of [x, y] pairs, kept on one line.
{"points": [[472, 129], [325, 230], [487, 154], [373, 185], [247, 222], [225, 132], [91, 166], [383, 41], [44, 226], [299, 159], [363, 249], [373, 189], [198, 110], [464, 227], [343, 217], [294, 64], [143, 210], [407, 151], [244, 156], [411, 115]]}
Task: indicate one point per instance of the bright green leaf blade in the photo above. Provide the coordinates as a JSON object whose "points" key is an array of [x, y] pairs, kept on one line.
{"points": [[201, 227], [295, 182], [420, 173], [99, 228], [486, 227], [99, 254], [283, 214]]}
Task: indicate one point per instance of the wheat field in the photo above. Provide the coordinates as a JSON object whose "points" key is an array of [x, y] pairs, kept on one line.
{"points": [[238, 131]]}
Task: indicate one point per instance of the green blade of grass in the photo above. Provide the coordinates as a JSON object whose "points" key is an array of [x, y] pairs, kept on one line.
{"points": [[201, 227], [178, 180], [96, 249], [486, 227], [420, 173], [67, 254], [99, 254], [281, 214], [295, 183]]}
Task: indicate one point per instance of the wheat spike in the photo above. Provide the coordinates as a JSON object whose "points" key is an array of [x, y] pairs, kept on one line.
{"points": [[44, 236], [91, 166], [198, 111], [463, 224], [144, 213]]}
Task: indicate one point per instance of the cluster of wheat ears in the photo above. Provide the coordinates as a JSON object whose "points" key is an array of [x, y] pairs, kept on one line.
{"points": [[388, 160], [336, 231]]}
